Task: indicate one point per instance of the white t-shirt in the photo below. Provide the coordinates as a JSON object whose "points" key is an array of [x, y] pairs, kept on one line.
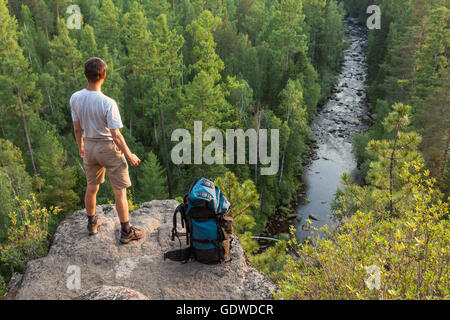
{"points": [[96, 113]]}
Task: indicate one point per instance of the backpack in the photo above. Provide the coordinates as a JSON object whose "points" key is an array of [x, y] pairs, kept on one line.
{"points": [[206, 215]]}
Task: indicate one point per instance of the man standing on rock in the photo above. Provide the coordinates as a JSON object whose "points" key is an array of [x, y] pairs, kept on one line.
{"points": [[96, 121]]}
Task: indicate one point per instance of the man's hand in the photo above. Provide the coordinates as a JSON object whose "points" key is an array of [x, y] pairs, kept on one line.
{"points": [[134, 160], [82, 152], [122, 145]]}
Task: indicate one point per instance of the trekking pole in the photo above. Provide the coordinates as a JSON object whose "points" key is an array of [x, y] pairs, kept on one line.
{"points": [[265, 238]]}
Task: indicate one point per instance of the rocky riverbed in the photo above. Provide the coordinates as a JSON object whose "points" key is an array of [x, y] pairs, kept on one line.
{"points": [[343, 115]]}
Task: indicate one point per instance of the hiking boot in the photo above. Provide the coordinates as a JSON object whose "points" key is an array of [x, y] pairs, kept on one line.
{"points": [[134, 234], [93, 227]]}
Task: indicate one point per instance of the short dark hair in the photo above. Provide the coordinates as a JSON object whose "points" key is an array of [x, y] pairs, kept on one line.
{"points": [[94, 69]]}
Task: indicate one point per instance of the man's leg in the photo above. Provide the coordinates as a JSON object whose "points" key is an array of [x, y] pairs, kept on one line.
{"points": [[128, 233], [90, 199], [90, 202], [95, 175], [121, 204], [117, 168]]}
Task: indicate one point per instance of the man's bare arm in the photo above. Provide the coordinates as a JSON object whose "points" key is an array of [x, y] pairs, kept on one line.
{"points": [[79, 137], [122, 145]]}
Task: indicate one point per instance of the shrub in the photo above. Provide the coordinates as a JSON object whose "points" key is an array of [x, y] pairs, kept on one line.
{"points": [[27, 235], [411, 252], [2, 286], [271, 261]]}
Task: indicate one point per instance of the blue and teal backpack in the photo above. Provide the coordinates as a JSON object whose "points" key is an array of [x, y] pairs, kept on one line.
{"points": [[206, 215]]}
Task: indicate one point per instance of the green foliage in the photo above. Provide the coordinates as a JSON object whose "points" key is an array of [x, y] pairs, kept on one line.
{"points": [[14, 182], [272, 261], [411, 252], [152, 184], [18, 93], [244, 198], [27, 235], [250, 245], [107, 22], [385, 190], [169, 64], [235, 64], [293, 109], [57, 178], [88, 44], [2, 286], [408, 63], [357, 8], [206, 58], [66, 68], [326, 32], [131, 205]]}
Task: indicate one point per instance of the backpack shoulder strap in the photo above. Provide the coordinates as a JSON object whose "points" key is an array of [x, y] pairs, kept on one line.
{"points": [[182, 210]]}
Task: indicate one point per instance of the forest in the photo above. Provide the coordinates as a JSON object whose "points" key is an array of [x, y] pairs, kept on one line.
{"points": [[237, 64]]}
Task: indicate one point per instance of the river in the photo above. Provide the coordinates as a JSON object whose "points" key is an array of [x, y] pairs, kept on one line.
{"points": [[345, 113]]}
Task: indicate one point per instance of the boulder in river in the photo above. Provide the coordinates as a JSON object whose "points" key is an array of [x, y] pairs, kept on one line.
{"points": [[312, 217], [292, 216]]}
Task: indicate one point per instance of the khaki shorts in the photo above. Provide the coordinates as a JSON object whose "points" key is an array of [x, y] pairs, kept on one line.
{"points": [[103, 154]]}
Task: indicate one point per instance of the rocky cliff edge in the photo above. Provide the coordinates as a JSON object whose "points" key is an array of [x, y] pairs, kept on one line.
{"points": [[79, 266]]}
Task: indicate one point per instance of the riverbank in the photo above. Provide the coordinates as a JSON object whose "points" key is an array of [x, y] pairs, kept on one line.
{"points": [[345, 113]]}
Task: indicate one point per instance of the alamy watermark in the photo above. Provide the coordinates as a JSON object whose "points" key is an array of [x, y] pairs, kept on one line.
{"points": [[74, 19], [374, 21], [214, 152], [74, 279], [374, 279]]}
